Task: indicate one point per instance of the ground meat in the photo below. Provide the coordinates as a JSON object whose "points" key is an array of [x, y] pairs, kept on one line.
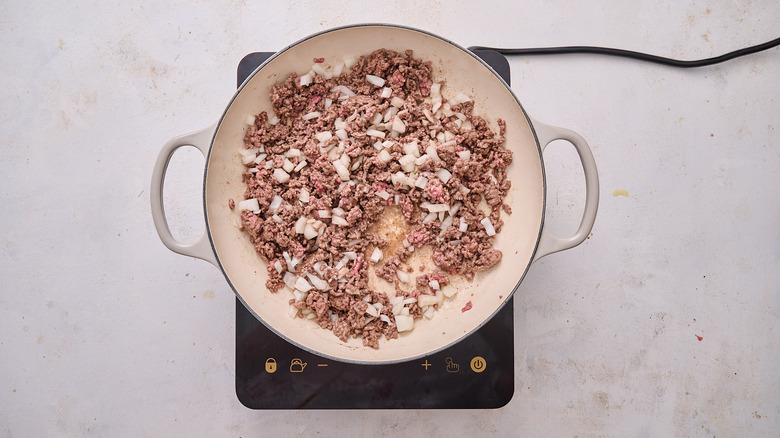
{"points": [[339, 151]]}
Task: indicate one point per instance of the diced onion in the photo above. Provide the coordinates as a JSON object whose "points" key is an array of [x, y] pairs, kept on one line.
{"points": [[488, 226], [397, 102], [351, 255], [311, 115], [292, 311], [305, 80], [403, 276], [317, 282], [384, 318], [275, 203], [319, 69], [277, 218], [323, 136], [463, 227], [431, 151], [446, 223], [339, 124], [303, 195], [338, 211], [340, 221], [309, 232], [404, 323], [434, 208], [341, 170], [398, 125], [421, 182], [412, 149], [328, 102], [281, 176], [293, 152], [386, 92], [273, 120], [449, 292], [407, 162], [300, 225], [259, 159], [302, 285], [444, 175], [428, 300], [288, 166], [383, 194], [371, 310], [375, 80], [341, 134], [289, 279], [278, 266], [434, 284], [375, 133], [464, 155], [384, 156], [324, 214], [301, 164], [249, 204], [376, 255], [250, 120], [299, 296], [436, 89], [343, 90], [246, 159], [429, 217]]}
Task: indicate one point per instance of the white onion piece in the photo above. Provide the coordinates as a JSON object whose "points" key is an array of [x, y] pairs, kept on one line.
{"points": [[305, 80], [300, 225], [277, 218], [407, 162], [341, 134], [275, 203], [340, 221], [281, 176], [384, 156], [293, 152], [383, 194], [397, 102], [250, 120], [421, 182], [309, 232], [301, 164], [288, 165], [431, 151], [269, 165], [339, 124], [371, 310], [246, 159], [341, 170], [436, 89], [384, 318], [436, 105], [434, 208], [323, 136], [292, 311], [420, 161], [375, 80], [338, 69], [386, 92], [434, 284], [428, 313], [289, 279], [449, 292], [273, 120], [429, 217], [446, 223], [376, 255], [299, 296], [349, 61], [464, 155], [465, 189], [302, 285], [343, 90], [259, 159], [489, 229], [249, 204], [403, 276], [463, 227], [351, 255], [338, 211], [311, 115], [324, 214], [410, 300], [411, 148], [375, 133], [444, 175], [328, 102], [455, 207], [319, 69], [398, 125], [427, 300], [278, 266], [404, 323], [317, 282]]}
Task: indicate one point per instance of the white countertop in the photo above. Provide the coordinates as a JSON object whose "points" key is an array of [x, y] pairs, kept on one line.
{"points": [[663, 323]]}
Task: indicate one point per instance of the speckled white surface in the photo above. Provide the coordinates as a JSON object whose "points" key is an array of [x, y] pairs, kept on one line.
{"points": [[104, 332]]}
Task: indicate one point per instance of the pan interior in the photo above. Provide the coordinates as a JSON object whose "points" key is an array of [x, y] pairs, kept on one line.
{"points": [[463, 72]]}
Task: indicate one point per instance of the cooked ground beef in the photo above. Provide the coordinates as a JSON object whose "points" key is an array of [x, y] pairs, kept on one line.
{"points": [[337, 152]]}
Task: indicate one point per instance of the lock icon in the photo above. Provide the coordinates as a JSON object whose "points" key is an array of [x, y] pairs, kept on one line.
{"points": [[297, 365], [270, 365]]}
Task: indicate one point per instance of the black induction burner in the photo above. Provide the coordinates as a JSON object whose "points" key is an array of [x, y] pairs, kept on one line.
{"points": [[475, 373]]}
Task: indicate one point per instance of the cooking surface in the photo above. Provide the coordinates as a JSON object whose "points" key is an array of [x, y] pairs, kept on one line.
{"points": [[663, 323]]}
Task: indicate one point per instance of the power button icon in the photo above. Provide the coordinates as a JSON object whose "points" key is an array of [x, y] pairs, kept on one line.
{"points": [[478, 364]]}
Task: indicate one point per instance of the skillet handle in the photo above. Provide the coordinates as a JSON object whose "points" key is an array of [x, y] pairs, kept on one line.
{"points": [[550, 243], [201, 249]]}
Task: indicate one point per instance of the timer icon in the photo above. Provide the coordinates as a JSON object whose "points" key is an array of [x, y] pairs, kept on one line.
{"points": [[478, 364]]}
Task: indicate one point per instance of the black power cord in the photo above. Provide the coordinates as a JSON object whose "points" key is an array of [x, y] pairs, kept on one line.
{"points": [[634, 55]]}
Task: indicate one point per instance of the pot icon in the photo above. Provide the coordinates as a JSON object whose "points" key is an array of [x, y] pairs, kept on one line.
{"points": [[297, 365]]}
